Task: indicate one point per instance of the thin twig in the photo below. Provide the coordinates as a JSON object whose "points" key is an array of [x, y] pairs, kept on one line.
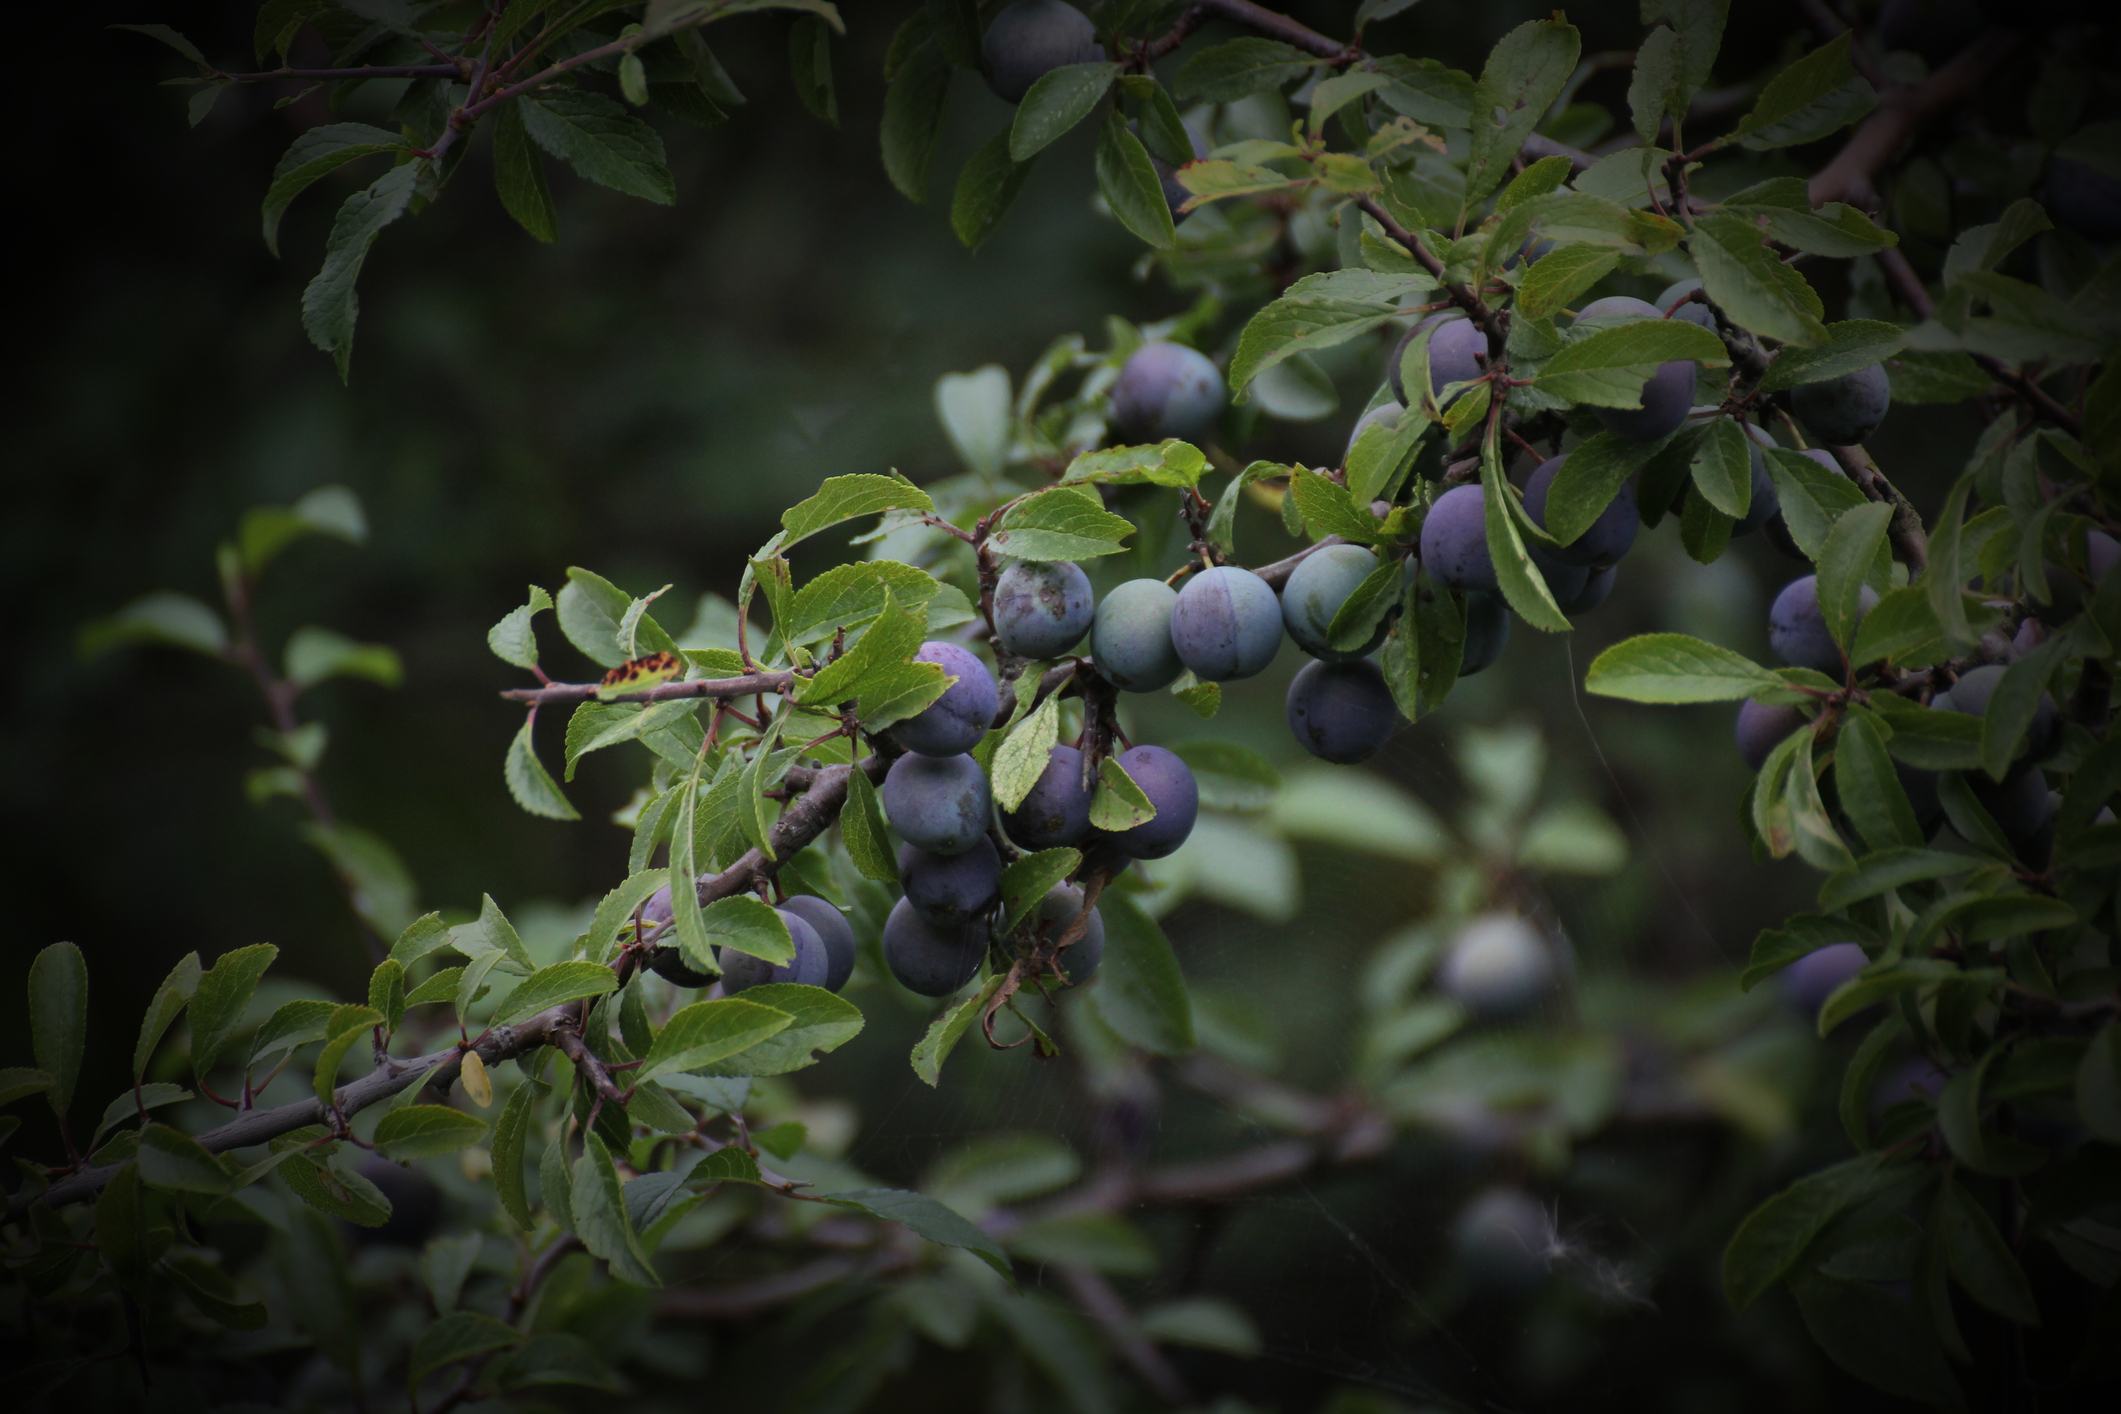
{"points": [[280, 694]]}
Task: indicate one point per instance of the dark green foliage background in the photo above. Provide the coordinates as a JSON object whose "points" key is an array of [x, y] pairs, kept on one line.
{"points": [[646, 397]]}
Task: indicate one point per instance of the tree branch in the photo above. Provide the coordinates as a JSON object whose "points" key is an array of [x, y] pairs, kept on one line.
{"points": [[1261, 20], [746, 685], [1476, 309], [1902, 113], [623, 45], [1905, 530], [1908, 285], [518, 1302], [359, 71], [260, 1126], [1110, 1314]]}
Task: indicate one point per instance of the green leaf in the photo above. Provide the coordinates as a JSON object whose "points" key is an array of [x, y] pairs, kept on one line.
{"points": [[1876, 1335], [218, 1002], [20, 1082], [1673, 667], [1524, 74], [1608, 366], [705, 1032], [511, 1134], [1127, 180], [423, 1131], [947, 1030], [822, 1024], [1319, 311], [1813, 98], [1590, 476], [1062, 523], [1326, 508], [293, 1024], [1523, 587], [601, 141], [1880, 981], [120, 1228], [1889, 868], [590, 609], [1556, 279], [1944, 580], [529, 783], [58, 1018], [1754, 288], [1205, 1323], [163, 1009], [552, 986], [986, 185], [1027, 880], [844, 498], [1361, 615], [492, 932], [1812, 497], [995, 1169], [1166, 463], [170, 37], [2098, 1085], [850, 597], [329, 510], [279, 21], [329, 306], [1023, 755], [1722, 467], [1868, 787], [1980, 1260], [913, 118], [174, 1160], [346, 1026], [315, 154], [1774, 1236], [316, 654], [2015, 703], [874, 662], [925, 1217], [1059, 100], [810, 64], [1140, 992], [598, 1205], [441, 986], [1573, 838], [1238, 68], [1118, 802], [1656, 89], [1848, 347], [746, 925], [1103, 1242], [456, 1337], [862, 830], [519, 176], [177, 620], [1847, 560], [1230, 776], [1978, 1147]]}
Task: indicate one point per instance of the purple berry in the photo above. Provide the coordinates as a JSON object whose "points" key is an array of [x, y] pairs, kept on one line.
{"points": [[1057, 811], [1341, 712], [956, 721], [1168, 783]]}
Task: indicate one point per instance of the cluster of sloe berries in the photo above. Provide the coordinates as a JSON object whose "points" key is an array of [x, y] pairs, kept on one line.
{"points": [[1580, 574]]}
